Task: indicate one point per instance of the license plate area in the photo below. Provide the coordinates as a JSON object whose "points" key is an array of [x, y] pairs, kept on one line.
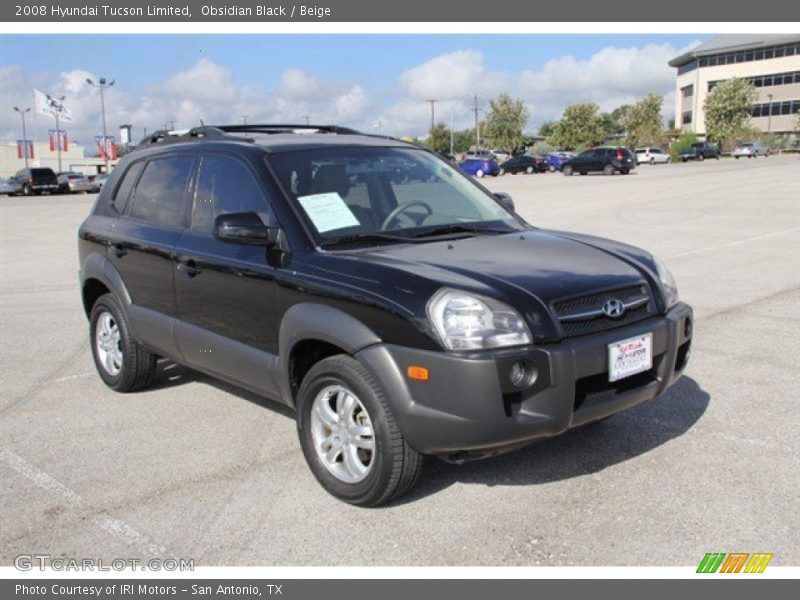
{"points": [[630, 356]]}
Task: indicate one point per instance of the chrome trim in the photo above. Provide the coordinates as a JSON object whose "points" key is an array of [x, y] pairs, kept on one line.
{"points": [[598, 312]]}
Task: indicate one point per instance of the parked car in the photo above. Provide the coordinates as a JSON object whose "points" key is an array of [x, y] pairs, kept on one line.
{"points": [[500, 155], [9, 187], [479, 167], [395, 324], [524, 164], [699, 151], [74, 183], [605, 159], [651, 155], [36, 181], [98, 181], [750, 150], [557, 159]]}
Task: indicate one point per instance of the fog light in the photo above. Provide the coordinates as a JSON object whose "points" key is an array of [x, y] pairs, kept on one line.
{"points": [[520, 374]]}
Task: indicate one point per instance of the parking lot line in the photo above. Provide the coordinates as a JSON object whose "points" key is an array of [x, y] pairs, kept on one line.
{"points": [[735, 243], [115, 527]]}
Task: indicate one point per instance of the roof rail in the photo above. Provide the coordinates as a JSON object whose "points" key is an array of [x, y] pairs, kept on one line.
{"points": [[164, 136], [287, 128]]}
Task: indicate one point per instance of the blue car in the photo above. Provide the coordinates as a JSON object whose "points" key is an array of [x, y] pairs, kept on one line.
{"points": [[557, 159], [479, 166]]}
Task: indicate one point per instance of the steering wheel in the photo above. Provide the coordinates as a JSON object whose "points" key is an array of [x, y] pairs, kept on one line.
{"points": [[401, 209]]}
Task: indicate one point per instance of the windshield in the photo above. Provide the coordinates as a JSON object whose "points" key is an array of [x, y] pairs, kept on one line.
{"points": [[397, 193]]}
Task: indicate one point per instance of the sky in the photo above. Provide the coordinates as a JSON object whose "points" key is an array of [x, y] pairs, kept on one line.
{"points": [[370, 82]]}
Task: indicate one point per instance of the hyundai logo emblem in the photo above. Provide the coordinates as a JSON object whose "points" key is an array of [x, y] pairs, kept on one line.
{"points": [[613, 308]]}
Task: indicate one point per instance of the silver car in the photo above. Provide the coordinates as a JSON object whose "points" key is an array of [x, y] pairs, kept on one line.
{"points": [[750, 150], [651, 155], [9, 187], [74, 183]]}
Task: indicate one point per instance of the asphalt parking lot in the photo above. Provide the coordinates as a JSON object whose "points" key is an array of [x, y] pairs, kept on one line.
{"points": [[197, 469]]}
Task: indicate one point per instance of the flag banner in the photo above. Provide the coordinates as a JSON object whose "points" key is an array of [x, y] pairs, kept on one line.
{"points": [[58, 140], [51, 106], [24, 149], [107, 148]]}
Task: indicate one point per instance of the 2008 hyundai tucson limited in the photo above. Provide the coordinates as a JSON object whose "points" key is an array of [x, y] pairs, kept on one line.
{"points": [[401, 308]]}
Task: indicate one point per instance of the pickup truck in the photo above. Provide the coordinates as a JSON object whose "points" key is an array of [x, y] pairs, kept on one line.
{"points": [[699, 151]]}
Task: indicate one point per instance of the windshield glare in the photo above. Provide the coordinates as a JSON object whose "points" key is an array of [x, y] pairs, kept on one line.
{"points": [[398, 191]]}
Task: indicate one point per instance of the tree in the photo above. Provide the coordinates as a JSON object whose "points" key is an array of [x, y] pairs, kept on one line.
{"points": [[613, 121], [546, 129], [504, 123], [439, 138], [728, 109], [580, 126], [643, 123]]}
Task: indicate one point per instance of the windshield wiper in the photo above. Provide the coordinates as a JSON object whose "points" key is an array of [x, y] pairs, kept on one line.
{"points": [[364, 237], [459, 228]]}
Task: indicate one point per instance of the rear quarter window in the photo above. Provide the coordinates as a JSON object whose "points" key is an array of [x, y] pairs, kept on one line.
{"points": [[159, 194], [123, 192]]}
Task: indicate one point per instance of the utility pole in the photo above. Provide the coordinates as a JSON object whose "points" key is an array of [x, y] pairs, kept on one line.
{"points": [[22, 112], [244, 119], [307, 118], [476, 109], [58, 132], [103, 84], [433, 113]]}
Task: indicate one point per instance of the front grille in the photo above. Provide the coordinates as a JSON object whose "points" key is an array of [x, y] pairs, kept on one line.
{"points": [[569, 311]]}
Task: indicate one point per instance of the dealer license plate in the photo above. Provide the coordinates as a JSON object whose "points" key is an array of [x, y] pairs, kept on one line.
{"points": [[629, 357]]}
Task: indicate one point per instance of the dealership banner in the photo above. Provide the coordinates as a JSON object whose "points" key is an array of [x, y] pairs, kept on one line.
{"points": [[106, 146], [24, 149], [509, 11], [58, 140]]}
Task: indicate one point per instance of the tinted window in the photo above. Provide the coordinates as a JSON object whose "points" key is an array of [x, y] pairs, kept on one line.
{"points": [[224, 186], [159, 194], [586, 154], [124, 189]]}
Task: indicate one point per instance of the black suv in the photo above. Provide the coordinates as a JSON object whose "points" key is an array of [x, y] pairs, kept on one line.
{"points": [[399, 316], [36, 181], [605, 159]]}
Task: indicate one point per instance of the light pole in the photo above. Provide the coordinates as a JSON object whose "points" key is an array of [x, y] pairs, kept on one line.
{"points": [[244, 119], [103, 84], [433, 113], [22, 112], [769, 114], [58, 131]]}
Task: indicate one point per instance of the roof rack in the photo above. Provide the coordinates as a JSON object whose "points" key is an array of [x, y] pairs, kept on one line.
{"points": [[164, 136]]}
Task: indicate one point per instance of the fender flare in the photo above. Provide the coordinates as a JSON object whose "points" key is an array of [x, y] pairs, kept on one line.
{"points": [[97, 266], [310, 320]]}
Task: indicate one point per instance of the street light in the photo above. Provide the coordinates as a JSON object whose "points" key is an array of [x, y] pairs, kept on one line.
{"points": [[22, 112], [103, 84], [58, 131]]}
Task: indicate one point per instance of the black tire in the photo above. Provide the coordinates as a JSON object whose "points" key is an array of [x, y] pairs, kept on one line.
{"points": [[652, 161], [396, 466], [736, 157], [624, 171], [609, 170], [701, 157], [138, 365], [584, 172], [27, 190], [568, 170], [684, 159]]}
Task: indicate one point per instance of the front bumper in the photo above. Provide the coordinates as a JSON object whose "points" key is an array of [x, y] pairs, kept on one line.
{"points": [[468, 407]]}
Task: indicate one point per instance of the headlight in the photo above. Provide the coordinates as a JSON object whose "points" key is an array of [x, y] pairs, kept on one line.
{"points": [[668, 285], [466, 321]]}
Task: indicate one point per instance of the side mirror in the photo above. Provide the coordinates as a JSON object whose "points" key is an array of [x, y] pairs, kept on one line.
{"points": [[244, 228], [505, 200]]}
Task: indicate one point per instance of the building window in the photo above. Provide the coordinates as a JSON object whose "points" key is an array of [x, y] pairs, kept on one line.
{"points": [[767, 80], [744, 56], [686, 117], [776, 109], [688, 91]]}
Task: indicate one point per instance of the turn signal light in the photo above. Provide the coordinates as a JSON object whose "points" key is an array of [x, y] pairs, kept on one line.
{"points": [[418, 373]]}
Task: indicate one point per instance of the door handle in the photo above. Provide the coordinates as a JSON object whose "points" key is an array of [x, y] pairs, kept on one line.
{"points": [[118, 250], [189, 267]]}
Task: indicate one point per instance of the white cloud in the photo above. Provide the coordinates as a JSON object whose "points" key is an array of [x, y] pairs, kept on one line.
{"points": [[453, 75]]}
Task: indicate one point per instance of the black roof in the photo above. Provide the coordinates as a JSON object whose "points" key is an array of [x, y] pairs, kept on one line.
{"points": [[272, 137]]}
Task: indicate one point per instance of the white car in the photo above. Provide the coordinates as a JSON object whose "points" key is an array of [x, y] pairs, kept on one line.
{"points": [[651, 155], [750, 150]]}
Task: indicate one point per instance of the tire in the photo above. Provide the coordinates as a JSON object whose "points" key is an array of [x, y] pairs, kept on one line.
{"points": [[551, 168], [652, 161], [393, 466], [529, 170], [717, 157], [624, 171], [701, 157], [136, 365], [27, 190], [684, 159], [501, 172], [736, 157], [609, 170], [479, 173], [583, 172], [568, 171]]}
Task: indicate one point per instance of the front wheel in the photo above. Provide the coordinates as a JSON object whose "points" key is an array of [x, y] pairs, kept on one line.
{"points": [[701, 157], [529, 170], [479, 173], [27, 190], [350, 437], [568, 171]]}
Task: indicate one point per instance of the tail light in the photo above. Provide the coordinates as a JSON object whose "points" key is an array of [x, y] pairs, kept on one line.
{"points": [[619, 154]]}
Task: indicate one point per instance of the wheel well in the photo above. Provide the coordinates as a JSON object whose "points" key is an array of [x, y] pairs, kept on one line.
{"points": [[306, 354], [92, 290]]}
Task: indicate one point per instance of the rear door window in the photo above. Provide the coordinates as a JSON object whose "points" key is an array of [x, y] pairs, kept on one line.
{"points": [[124, 189], [159, 195]]}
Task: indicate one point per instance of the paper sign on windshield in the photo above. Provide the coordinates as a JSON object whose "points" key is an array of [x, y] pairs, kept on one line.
{"points": [[328, 211]]}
